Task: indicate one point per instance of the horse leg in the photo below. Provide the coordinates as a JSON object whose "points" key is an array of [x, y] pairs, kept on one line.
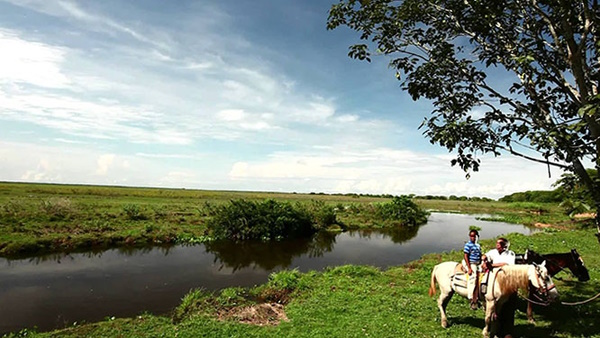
{"points": [[489, 313], [530, 313], [530, 309], [443, 301]]}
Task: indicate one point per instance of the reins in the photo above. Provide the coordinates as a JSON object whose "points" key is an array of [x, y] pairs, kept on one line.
{"points": [[581, 302], [562, 303], [533, 301]]}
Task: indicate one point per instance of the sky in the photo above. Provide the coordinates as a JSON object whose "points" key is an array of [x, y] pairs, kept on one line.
{"points": [[220, 95]]}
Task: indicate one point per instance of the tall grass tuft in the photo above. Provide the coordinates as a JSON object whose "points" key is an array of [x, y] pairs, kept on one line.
{"points": [[134, 212], [57, 209]]}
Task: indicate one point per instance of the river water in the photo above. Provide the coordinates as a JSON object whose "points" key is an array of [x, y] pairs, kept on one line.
{"points": [[55, 291]]}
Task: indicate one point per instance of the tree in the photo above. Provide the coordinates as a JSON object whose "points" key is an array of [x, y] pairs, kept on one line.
{"points": [[572, 188], [454, 52]]}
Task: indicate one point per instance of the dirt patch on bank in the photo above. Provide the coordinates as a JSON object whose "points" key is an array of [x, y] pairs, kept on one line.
{"points": [[261, 314], [587, 215]]}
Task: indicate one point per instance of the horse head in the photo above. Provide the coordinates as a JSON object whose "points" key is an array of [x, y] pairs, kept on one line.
{"points": [[542, 282], [579, 269]]}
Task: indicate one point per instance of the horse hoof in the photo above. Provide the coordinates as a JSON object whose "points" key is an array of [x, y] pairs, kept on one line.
{"points": [[444, 324]]}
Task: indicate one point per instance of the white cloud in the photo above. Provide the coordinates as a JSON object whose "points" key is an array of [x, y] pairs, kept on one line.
{"points": [[231, 115], [393, 172], [104, 163], [78, 164], [347, 118], [30, 62], [158, 91]]}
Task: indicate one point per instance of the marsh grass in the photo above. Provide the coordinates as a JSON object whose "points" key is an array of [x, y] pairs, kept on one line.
{"points": [[45, 218]]}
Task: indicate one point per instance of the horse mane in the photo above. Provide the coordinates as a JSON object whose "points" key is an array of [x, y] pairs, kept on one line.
{"points": [[510, 278]]}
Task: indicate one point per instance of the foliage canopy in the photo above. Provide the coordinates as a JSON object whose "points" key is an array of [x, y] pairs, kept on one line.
{"points": [[266, 220], [514, 76]]}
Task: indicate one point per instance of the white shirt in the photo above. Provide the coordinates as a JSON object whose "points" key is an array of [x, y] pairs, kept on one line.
{"points": [[507, 256]]}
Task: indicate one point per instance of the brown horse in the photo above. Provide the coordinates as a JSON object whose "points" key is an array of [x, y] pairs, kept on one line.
{"points": [[555, 263]]}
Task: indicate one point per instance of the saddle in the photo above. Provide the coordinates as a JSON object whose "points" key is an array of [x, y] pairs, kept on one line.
{"points": [[460, 279]]}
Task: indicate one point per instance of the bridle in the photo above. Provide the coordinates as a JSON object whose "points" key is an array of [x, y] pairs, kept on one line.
{"points": [[542, 289], [575, 257]]}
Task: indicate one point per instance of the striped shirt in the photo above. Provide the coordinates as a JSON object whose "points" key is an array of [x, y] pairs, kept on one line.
{"points": [[473, 250]]}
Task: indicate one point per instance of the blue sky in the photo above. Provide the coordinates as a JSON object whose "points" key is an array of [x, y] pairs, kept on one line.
{"points": [[229, 95]]}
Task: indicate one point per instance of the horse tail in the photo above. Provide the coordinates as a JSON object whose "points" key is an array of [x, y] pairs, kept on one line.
{"points": [[432, 286]]}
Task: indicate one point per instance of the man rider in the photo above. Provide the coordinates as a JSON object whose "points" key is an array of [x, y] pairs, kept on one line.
{"points": [[496, 258]]}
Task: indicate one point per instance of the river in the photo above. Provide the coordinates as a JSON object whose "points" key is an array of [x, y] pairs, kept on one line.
{"points": [[54, 291]]}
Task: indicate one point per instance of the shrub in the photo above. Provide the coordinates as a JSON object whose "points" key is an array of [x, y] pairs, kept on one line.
{"points": [[402, 209], [286, 279], [193, 302], [14, 208], [281, 284], [134, 212], [57, 208], [267, 220], [573, 207], [323, 215]]}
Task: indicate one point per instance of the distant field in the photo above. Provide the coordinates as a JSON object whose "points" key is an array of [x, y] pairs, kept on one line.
{"points": [[38, 218]]}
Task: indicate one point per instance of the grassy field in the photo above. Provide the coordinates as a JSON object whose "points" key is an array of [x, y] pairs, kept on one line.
{"points": [[346, 301], [41, 218], [362, 301]]}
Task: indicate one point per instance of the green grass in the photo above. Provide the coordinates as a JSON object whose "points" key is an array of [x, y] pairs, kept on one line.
{"points": [[45, 218], [346, 301], [363, 301], [42, 218]]}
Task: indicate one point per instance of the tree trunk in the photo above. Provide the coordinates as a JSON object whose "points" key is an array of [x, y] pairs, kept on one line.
{"points": [[580, 171]]}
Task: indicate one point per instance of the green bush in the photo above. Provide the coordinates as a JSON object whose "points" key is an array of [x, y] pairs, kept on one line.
{"points": [[14, 208], [323, 215], [267, 220], [402, 209], [572, 207], [134, 212], [57, 208]]}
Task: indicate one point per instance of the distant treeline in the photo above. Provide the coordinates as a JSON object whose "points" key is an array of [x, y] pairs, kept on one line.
{"points": [[455, 198], [537, 196], [424, 197]]}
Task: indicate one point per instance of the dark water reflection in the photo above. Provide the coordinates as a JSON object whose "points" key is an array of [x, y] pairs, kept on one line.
{"points": [[56, 290]]}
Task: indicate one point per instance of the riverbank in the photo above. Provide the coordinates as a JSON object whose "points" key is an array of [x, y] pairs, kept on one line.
{"points": [[363, 301], [47, 218]]}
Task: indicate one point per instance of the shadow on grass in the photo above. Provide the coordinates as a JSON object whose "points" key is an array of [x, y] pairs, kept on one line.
{"points": [[470, 321], [521, 330], [576, 321]]}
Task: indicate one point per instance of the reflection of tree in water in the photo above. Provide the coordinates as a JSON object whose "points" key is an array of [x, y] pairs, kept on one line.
{"points": [[401, 234], [397, 235], [94, 253], [266, 255], [269, 255]]}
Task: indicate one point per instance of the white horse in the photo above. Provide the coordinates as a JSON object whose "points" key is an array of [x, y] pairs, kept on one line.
{"points": [[502, 283]]}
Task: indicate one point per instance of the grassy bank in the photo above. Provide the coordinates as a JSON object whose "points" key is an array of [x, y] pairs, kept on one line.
{"points": [[362, 301], [347, 301], [42, 218]]}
